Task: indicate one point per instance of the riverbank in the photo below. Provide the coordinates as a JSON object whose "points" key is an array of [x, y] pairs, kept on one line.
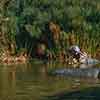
{"points": [[23, 58], [7, 58]]}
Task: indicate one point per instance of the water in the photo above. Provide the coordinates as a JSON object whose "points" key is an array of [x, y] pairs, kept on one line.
{"points": [[31, 82]]}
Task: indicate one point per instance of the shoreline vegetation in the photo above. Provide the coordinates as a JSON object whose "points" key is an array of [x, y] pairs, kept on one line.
{"points": [[6, 58], [60, 52], [46, 29]]}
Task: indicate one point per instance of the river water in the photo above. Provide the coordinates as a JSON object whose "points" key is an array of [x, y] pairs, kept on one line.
{"points": [[32, 82]]}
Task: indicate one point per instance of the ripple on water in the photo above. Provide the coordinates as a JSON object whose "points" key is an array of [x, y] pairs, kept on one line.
{"points": [[32, 83]]}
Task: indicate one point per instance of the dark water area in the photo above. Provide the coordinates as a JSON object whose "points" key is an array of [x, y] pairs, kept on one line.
{"points": [[32, 82]]}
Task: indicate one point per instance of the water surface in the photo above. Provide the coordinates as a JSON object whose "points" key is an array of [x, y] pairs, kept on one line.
{"points": [[32, 82]]}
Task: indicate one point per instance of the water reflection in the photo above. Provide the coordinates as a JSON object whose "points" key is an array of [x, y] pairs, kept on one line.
{"points": [[31, 82], [8, 82]]}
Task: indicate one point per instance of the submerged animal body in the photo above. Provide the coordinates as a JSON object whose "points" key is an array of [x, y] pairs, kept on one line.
{"points": [[78, 72], [85, 69], [89, 61]]}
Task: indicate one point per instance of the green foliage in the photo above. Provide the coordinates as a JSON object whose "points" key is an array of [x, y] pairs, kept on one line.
{"points": [[81, 16]]}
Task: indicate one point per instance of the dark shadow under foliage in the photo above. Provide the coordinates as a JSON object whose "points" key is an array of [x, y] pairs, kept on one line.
{"points": [[25, 40]]}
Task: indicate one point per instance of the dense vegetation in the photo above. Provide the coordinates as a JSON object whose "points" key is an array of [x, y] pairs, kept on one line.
{"points": [[26, 21]]}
